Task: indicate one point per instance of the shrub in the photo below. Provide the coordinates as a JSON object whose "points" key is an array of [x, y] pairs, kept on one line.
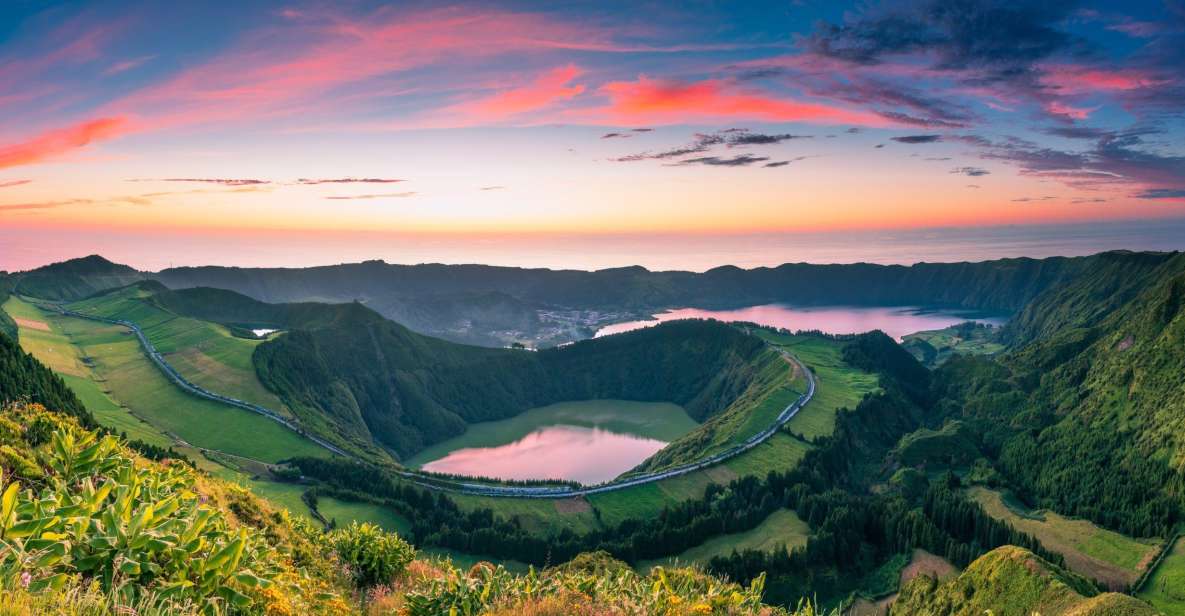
{"points": [[374, 556], [127, 525]]}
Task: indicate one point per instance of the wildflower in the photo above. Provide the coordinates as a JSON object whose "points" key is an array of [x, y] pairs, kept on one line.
{"points": [[26, 578]]}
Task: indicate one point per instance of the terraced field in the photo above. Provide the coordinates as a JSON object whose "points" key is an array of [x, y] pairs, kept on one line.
{"points": [[205, 353], [1091, 551], [111, 358], [41, 336]]}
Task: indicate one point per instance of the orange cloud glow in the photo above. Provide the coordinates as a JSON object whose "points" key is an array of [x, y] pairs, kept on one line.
{"points": [[60, 141], [654, 101]]}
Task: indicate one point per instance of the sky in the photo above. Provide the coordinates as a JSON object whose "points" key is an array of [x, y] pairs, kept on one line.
{"points": [[131, 122]]}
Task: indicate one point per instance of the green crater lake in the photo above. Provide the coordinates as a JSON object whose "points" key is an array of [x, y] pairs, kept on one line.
{"points": [[589, 441]]}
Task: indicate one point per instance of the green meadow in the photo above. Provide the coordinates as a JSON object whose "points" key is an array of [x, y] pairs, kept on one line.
{"points": [[205, 353], [781, 530], [123, 376], [1091, 551], [1165, 588], [837, 385]]}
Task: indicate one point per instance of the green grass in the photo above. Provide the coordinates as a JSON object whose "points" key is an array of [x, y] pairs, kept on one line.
{"points": [[951, 341], [781, 530], [535, 514], [123, 373], [55, 349], [110, 414], [657, 420], [1091, 551], [1165, 588], [286, 495], [781, 452], [204, 353], [837, 385], [344, 512]]}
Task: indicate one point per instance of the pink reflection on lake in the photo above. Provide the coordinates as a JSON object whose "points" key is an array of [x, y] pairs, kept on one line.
{"points": [[586, 455], [896, 322]]}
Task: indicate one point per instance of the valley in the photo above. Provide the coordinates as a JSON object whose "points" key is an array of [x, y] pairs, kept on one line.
{"points": [[589, 441], [746, 429]]}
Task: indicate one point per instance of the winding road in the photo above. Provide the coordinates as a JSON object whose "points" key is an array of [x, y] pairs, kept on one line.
{"points": [[476, 489]]}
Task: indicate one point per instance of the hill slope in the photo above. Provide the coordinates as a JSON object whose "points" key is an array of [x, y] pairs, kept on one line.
{"points": [[75, 279], [378, 380], [1004, 285], [1011, 581]]}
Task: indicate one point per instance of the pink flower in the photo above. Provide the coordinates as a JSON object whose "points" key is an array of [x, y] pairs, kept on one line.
{"points": [[26, 577]]}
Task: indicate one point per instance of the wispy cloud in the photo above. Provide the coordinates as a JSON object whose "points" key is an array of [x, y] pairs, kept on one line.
{"points": [[398, 195], [10, 183], [971, 171], [221, 181], [703, 142], [54, 143], [915, 139], [740, 160], [308, 181]]}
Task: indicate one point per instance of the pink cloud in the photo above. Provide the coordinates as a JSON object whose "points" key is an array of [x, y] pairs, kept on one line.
{"points": [[1075, 79], [666, 101], [302, 65], [11, 183], [547, 89], [57, 142], [1069, 111]]}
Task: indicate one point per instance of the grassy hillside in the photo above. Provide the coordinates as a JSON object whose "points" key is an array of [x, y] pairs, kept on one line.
{"points": [[74, 279], [934, 347], [1114, 560], [1011, 581], [106, 367], [204, 352], [782, 530], [376, 381]]}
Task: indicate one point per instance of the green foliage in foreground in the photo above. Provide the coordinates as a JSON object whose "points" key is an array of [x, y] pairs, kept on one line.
{"points": [[98, 515], [372, 555]]}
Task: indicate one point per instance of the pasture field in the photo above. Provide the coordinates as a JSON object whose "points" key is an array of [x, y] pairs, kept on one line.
{"points": [[535, 514], [345, 512], [41, 337], [837, 385], [1091, 551], [782, 529], [1165, 588], [205, 353], [115, 361], [286, 495]]}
